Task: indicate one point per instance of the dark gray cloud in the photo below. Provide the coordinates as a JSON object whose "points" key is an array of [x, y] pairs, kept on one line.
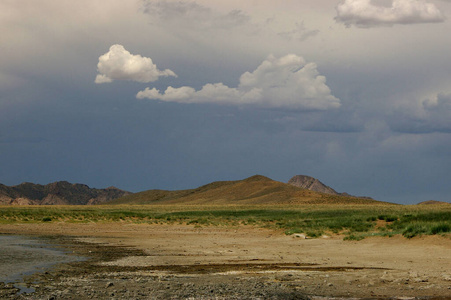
{"points": [[193, 16], [373, 13], [428, 116], [57, 124]]}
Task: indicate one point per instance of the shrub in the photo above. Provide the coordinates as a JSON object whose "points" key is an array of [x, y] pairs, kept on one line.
{"points": [[414, 230], [314, 234], [293, 230], [387, 218], [441, 228], [353, 237], [391, 219]]}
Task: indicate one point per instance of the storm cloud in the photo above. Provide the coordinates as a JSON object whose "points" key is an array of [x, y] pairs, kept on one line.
{"points": [[378, 126], [427, 116], [373, 13]]}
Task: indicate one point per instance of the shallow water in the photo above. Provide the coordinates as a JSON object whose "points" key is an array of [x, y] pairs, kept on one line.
{"points": [[21, 256]]}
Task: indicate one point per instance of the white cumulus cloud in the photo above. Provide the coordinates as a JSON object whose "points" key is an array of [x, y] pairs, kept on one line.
{"points": [[285, 82], [372, 13], [119, 64]]}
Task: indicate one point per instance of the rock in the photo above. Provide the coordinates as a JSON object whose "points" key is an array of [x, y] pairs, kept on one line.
{"points": [[387, 277], [413, 274], [300, 236], [446, 277]]}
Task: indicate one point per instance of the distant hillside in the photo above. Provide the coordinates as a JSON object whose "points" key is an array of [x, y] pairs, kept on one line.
{"points": [[57, 193], [432, 202], [253, 190]]}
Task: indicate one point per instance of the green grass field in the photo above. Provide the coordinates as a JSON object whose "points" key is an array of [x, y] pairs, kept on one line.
{"points": [[354, 222]]}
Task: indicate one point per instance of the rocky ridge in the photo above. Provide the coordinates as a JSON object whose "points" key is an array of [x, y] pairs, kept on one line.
{"points": [[313, 184], [57, 193]]}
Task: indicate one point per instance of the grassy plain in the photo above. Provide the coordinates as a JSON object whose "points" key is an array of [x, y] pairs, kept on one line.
{"points": [[354, 222]]}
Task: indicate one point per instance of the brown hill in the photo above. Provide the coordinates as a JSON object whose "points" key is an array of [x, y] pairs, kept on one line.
{"points": [[253, 190], [433, 202], [57, 193]]}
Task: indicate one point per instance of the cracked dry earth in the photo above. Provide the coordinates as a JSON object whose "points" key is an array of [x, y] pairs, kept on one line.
{"points": [[141, 261]]}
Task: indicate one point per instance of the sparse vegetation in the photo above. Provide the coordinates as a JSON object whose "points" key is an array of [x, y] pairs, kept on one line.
{"points": [[354, 221], [353, 237]]}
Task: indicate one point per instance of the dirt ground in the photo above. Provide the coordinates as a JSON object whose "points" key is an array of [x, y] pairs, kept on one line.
{"points": [[141, 261]]}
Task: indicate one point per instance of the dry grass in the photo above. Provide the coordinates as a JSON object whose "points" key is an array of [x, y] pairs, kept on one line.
{"points": [[354, 221]]}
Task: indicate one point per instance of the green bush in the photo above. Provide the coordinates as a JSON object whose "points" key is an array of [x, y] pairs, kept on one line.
{"points": [[353, 237], [414, 230], [440, 228], [387, 218]]}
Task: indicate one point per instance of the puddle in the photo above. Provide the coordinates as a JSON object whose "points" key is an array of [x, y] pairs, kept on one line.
{"points": [[22, 256]]}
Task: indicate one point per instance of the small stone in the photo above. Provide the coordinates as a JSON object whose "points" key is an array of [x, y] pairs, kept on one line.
{"points": [[446, 277], [109, 284], [387, 278], [300, 236]]}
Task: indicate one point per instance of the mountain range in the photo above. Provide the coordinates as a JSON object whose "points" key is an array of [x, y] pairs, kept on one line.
{"points": [[57, 193], [253, 190]]}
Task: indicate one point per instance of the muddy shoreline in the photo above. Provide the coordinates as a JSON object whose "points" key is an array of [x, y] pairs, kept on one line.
{"points": [[183, 262], [91, 280], [21, 255]]}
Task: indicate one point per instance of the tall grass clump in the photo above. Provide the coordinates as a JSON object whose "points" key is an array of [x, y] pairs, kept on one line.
{"points": [[440, 228], [414, 230]]}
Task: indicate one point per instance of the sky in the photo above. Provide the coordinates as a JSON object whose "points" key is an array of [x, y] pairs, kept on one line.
{"points": [[162, 94]]}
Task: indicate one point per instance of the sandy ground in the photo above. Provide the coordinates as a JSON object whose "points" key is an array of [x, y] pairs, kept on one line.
{"points": [[144, 261]]}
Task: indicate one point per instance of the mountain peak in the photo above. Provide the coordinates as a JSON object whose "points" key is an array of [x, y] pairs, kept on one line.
{"points": [[258, 178], [310, 183]]}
